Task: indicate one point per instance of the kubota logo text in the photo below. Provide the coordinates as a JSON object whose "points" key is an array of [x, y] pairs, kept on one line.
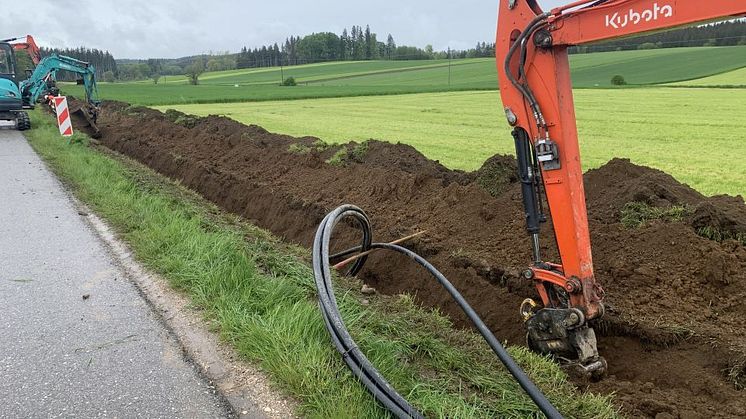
{"points": [[633, 17]]}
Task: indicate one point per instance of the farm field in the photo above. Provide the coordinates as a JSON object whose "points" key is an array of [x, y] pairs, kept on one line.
{"points": [[643, 67], [735, 78], [462, 129]]}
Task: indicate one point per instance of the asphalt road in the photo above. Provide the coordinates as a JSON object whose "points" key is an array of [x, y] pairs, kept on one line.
{"points": [[76, 337]]}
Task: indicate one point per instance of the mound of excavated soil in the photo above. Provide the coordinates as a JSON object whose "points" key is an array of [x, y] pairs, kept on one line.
{"points": [[674, 334]]}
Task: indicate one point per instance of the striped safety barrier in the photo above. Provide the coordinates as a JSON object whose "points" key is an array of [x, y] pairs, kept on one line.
{"points": [[63, 116]]}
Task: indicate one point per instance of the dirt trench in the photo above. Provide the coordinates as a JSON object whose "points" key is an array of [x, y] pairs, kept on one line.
{"points": [[674, 331]]}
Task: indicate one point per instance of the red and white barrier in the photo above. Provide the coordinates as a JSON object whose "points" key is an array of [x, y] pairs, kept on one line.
{"points": [[63, 116]]}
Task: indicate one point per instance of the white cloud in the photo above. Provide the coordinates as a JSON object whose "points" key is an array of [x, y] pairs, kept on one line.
{"points": [[172, 28]]}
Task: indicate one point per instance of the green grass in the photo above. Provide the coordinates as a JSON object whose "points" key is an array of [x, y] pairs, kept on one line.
{"points": [[735, 78], [176, 94], [311, 72], [693, 134], [656, 66], [396, 77], [637, 214], [260, 295]]}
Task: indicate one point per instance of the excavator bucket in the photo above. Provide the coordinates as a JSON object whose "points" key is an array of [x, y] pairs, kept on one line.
{"points": [[85, 115]]}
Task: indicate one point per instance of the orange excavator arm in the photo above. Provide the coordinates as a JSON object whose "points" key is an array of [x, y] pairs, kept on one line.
{"points": [[29, 46], [536, 90]]}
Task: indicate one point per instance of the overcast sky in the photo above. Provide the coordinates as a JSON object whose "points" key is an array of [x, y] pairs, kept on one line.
{"points": [[176, 28]]}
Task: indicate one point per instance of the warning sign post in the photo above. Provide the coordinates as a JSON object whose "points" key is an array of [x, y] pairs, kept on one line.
{"points": [[63, 116]]}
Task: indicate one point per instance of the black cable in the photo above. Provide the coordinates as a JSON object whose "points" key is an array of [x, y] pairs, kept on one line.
{"points": [[520, 41], [344, 343], [351, 354]]}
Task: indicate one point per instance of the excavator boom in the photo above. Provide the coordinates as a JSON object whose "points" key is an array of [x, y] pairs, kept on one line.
{"points": [[536, 90], [42, 80], [29, 46]]}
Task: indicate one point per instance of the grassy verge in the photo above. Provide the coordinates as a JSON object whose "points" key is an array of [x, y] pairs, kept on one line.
{"points": [[259, 293]]}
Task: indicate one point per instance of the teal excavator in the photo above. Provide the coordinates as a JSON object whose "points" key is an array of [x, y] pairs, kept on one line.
{"points": [[41, 83], [11, 102]]}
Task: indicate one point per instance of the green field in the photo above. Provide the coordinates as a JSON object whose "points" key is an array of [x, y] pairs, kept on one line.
{"points": [[735, 78], [666, 128], [643, 67]]}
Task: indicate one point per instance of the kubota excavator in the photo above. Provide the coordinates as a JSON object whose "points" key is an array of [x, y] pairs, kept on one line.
{"points": [[41, 82], [536, 89]]}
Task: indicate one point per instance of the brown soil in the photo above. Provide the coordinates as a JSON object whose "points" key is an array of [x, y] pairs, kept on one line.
{"points": [[674, 333]]}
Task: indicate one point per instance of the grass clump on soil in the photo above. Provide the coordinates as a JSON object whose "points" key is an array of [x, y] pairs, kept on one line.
{"points": [[298, 148], [719, 235], [318, 146], [637, 214], [360, 150], [181, 118], [345, 154], [737, 374], [338, 159], [260, 294]]}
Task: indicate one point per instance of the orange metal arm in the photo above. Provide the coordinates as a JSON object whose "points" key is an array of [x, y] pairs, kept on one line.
{"points": [[30, 47], [620, 18], [540, 104]]}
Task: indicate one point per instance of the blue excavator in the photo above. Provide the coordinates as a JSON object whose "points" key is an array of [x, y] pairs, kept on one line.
{"points": [[41, 83], [11, 101]]}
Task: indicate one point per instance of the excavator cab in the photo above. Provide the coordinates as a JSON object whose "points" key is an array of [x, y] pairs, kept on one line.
{"points": [[11, 102]]}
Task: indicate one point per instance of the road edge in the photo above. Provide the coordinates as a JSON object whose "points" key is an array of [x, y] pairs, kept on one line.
{"points": [[245, 389]]}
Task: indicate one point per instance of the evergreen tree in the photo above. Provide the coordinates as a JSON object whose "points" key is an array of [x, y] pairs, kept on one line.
{"points": [[390, 47], [368, 43]]}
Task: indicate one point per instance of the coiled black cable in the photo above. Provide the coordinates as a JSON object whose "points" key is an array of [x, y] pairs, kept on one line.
{"points": [[351, 354]]}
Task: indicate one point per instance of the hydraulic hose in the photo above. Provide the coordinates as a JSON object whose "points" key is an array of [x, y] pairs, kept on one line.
{"points": [[351, 354]]}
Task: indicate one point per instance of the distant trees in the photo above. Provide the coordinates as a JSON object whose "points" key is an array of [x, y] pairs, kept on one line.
{"points": [[322, 46], [133, 71], [23, 63], [357, 44], [194, 70], [108, 76], [103, 61], [390, 47]]}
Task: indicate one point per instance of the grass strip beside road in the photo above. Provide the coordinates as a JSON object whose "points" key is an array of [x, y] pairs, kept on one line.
{"points": [[259, 294]]}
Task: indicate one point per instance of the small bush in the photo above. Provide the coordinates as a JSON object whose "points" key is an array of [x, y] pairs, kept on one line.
{"points": [[637, 214], [290, 81], [618, 80]]}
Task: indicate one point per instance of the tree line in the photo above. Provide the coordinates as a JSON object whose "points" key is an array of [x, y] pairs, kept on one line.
{"points": [[357, 44], [103, 61]]}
